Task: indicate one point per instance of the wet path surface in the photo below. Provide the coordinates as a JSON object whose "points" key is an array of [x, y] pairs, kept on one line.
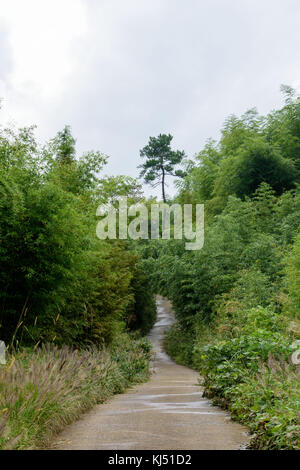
{"points": [[168, 412]]}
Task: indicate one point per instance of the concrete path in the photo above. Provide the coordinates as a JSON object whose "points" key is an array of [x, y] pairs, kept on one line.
{"points": [[168, 412]]}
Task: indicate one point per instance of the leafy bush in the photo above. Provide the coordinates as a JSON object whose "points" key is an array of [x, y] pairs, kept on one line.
{"points": [[224, 362]]}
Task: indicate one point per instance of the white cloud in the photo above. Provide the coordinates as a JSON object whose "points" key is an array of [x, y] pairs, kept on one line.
{"points": [[40, 35], [119, 71], [296, 86]]}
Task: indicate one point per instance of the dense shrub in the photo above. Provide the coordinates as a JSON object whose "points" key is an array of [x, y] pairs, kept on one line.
{"points": [[58, 282]]}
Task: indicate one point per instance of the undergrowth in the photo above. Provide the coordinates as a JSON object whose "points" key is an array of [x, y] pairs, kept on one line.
{"points": [[247, 369], [44, 390]]}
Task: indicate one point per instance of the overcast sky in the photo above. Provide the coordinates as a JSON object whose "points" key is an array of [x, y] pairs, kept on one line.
{"points": [[119, 71]]}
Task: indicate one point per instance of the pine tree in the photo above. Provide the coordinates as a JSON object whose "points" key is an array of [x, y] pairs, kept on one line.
{"points": [[160, 162]]}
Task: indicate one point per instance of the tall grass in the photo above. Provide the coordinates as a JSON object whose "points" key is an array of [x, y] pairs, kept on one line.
{"points": [[44, 390]]}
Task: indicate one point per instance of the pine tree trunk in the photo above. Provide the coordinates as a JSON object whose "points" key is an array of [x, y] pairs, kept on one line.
{"points": [[163, 185]]}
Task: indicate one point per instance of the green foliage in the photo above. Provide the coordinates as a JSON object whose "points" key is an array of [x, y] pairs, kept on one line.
{"points": [[198, 184], [143, 314], [246, 235], [113, 187], [58, 282], [260, 336], [253, 149], [272, 398], [293, 276], [283, 127], [241, 373], [65, 146], [179, 345], [258, 163]]}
